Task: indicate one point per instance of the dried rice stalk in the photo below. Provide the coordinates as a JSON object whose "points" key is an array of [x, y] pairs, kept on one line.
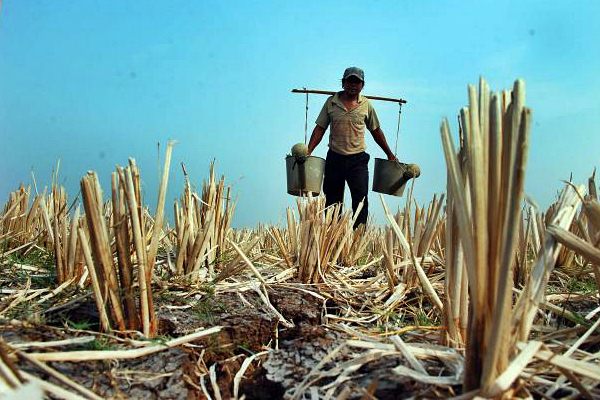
{"points": [[202, 225], [323, 234], [88, 355], [113, 282], [494, 146], [533, 294], [23, 225]]}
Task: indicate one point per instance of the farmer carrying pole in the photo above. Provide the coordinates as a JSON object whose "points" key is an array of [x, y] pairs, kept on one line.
{"points": [[348, 113]]}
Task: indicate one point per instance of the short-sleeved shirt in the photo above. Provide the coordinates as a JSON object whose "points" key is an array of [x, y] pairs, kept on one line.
{"points": [[347, 133]]}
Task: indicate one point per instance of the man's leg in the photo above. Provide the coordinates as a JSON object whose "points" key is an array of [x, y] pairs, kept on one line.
{"points": [[357, 176], [333, 184]]}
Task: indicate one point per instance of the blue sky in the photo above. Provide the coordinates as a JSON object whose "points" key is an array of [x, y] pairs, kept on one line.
{"points": [[94, 82]]}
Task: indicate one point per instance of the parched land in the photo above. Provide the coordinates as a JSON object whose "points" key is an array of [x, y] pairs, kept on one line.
{"points": [[475, 294]]}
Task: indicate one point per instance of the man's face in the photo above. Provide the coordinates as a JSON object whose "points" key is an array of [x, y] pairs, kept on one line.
{"points": [[352, 85]]}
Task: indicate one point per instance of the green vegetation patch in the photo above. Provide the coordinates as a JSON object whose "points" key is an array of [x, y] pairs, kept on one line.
{"points": [[16, 273]]}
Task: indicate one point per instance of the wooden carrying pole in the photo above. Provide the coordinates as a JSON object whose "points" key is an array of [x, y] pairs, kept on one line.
{"points": [[401, 101]]}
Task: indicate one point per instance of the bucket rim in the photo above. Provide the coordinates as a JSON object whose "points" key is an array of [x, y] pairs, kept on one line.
{"points": [[290, 156], [385, 162], [385, 159]]}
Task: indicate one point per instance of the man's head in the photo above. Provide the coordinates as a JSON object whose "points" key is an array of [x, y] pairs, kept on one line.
{"points": [[355, 72], [353, 80]]}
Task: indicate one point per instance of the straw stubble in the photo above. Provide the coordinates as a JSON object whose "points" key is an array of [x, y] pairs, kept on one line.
{"points": [[484, 209]]}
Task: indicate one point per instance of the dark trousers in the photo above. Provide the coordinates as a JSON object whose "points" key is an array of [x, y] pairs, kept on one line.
{"points": [[353, 169]]}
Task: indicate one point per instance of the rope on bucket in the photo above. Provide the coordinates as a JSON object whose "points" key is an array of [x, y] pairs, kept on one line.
{"points": [[306, 119], [397, 130]]}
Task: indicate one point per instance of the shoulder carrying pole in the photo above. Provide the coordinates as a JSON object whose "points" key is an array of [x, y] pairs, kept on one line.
{"points": [[314, 91]]}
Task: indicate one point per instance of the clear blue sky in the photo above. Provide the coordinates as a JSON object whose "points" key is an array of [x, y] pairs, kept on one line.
{"points": [[94, 82]]}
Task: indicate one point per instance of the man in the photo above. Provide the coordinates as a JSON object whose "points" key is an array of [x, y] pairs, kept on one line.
{"points": [[348, 113]]}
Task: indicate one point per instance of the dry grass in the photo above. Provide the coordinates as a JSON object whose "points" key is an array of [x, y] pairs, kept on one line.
{"points": [[202, 224], [467, 293]]}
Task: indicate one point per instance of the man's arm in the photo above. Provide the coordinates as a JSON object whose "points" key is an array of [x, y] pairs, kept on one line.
{"points": [[380, 140], [315, 138]]}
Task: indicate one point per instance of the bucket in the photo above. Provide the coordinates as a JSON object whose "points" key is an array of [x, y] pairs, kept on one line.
{"points": [[304, 177], [389, 177]]}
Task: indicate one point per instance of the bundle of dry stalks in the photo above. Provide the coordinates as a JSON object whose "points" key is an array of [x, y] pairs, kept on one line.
{"points": [[528, 244], [359, 247], [114, 282], [420, 231], [485, 190], [485, 194], [582, 240], [317, 240], [22, 225], [46, 224], [14, 218], [201, 227], [413, 265], [292, 242], [533, 293], [68, 253]]}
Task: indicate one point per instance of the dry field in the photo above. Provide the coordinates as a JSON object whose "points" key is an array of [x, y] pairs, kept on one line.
{"points": [[476, 294]]}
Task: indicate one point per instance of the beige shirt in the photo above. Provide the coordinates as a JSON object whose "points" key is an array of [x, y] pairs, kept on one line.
{"points": [[347, 133]]}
